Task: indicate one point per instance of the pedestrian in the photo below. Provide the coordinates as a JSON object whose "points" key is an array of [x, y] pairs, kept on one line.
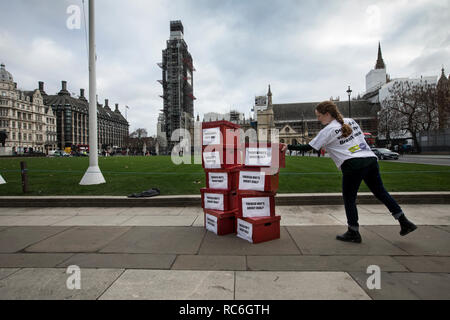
{"points": [[344, 141]]}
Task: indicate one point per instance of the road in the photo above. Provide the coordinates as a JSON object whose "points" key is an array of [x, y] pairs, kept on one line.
{"points": [[443, 160]]}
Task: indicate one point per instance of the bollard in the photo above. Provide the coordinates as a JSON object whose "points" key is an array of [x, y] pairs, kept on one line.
{"points": [[24, 172]]}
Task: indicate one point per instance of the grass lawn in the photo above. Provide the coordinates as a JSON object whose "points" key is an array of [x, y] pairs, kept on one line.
{"points": [[125, 175]]}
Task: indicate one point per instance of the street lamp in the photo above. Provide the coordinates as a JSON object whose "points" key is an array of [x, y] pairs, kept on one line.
{"points": [[349, 92]]}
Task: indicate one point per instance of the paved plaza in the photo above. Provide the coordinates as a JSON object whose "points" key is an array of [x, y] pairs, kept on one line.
{"points": [[165, 253]]}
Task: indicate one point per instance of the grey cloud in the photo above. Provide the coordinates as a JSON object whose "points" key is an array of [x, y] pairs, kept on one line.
{"points": [[238, 47]]}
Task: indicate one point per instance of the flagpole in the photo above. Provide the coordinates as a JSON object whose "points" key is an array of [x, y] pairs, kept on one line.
{"points": [[93, 174]]}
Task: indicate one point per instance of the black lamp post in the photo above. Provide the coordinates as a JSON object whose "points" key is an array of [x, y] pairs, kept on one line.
{"points": [[349, 91]]}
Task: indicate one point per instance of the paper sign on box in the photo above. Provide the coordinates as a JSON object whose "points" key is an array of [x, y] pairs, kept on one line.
{"points": [[258, 157], [214, 201], [251, 180], [211, 223], [218, 180], [212, 160], [211, 136], [256, 207], [245, 230]]}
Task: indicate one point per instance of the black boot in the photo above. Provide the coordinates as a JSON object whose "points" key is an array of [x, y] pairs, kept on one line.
{"points": [[350, 236], [406, 225]]}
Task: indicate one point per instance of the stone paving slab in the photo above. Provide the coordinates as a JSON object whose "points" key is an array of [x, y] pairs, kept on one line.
{"points": [[172, 285], [426, 240], [369, 219], [198, 262], [6, 272], [125, 261], [408, 286], [165, 240], [149, 211], [38, 211], [14, 239], [32, 260], [31, 220], [79, 239], [8, 211], [321, 240], [162, 221], [232, 245], [445, 228], [256, 285], [311, 210], [93, 221], [424, 264], [199, 221], [309, 220], [51, 284], [94, 211], [191, 211], [322, 263]]}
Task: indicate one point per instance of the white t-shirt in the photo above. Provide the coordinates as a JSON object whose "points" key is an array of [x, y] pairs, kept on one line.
{"points": [[340, 148]]}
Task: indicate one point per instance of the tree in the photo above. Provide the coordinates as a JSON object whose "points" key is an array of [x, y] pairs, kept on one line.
{"points": [[139, 133], [412, 107], [388, 125]]}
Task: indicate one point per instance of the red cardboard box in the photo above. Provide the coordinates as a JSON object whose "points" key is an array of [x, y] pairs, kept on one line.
{"points": [[223, 133], [220, 200], [219, 157], [221, 223], [264, 155], [222, 179], [256, 204], [252, 179], [258, 230]]}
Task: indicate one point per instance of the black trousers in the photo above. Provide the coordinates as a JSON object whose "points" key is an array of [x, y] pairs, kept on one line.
{"points": [[371, 176]]}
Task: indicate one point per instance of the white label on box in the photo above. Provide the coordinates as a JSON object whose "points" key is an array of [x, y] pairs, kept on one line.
{"points": [[245, 230], [258, 157], [218, 180], [211, 223], [256, 207], [211, 136], [214, 201], [211, 160], [252, 180]]}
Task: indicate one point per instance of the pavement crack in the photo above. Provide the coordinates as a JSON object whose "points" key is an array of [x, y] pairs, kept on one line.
{"points": [[114, 281], [287, 230]]}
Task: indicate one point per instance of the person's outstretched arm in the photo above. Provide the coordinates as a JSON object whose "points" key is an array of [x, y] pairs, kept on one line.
{"points": [[299, 147]]}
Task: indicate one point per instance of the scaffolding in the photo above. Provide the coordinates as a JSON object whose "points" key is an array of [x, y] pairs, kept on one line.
{"points": [[177, 82]]}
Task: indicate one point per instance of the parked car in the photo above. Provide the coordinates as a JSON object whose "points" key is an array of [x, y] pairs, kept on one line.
{"points": [[385, 154], [59, 153]]}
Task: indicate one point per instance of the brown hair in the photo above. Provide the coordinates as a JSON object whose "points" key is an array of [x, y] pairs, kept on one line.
{"points": [[332, 109]]}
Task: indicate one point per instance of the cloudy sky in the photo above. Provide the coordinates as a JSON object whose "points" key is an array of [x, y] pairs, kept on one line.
{"points": [[306, 50]]}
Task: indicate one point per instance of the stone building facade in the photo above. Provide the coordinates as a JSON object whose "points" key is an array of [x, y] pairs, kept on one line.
{"points": [[72, 118], [30, 125]]}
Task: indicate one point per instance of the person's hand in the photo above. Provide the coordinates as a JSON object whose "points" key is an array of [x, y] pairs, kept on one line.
{"points": [[283, 147]]}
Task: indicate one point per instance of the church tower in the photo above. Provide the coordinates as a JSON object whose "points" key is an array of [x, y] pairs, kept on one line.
{"points": [[266, 124], [443, 97], [377, 77]]}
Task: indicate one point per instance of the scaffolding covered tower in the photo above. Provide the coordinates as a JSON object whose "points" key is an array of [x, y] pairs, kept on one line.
{"points": [[178, 84]]}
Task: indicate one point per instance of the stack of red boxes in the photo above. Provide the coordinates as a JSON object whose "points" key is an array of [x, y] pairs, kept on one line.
{"points": [[258, 184], [222, 157]]}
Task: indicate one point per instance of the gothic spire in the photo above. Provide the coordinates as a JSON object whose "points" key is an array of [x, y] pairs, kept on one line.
{"points": [[380, 63], [269, 99]]}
